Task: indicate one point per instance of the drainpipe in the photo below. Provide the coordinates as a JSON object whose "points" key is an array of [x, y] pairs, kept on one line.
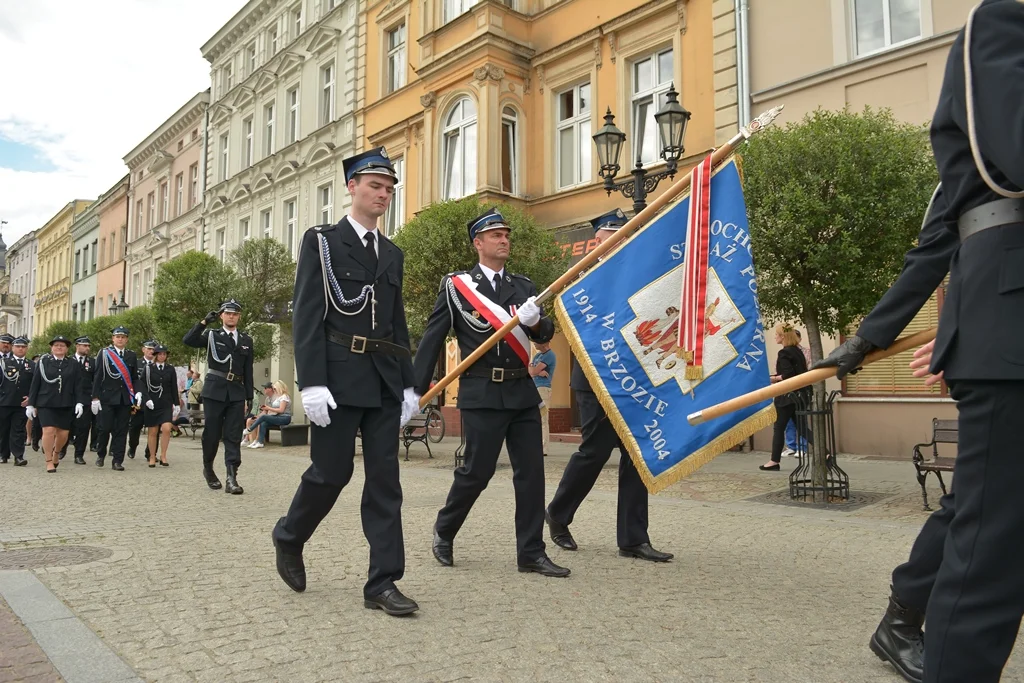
{"points": [[742, 62], [202, 172]]}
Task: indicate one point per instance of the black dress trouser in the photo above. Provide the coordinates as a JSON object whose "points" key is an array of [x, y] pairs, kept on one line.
{"points": [[965, 567], [12, 432], [599, 440], [332, 451], [224, 421], [113, 426]]}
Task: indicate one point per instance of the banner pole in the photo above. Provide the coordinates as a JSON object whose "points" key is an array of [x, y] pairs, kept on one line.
{"points": [[634, 224]]}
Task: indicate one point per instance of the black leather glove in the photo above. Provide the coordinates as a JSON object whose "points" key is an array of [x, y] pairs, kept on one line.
{"points": [[848, 356], [211, 316]]}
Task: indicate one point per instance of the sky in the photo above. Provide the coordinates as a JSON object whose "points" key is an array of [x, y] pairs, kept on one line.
{"points": [[82, 82]]}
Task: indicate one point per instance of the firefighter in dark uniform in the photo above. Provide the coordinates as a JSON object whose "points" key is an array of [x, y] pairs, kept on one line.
{"points": [[497, 397], [138, 416], [355, 373], [964, 571], [227, 391], [87, 422], [599, 440], [160, 397], [15, 381], [114, 395], [56, 397]]}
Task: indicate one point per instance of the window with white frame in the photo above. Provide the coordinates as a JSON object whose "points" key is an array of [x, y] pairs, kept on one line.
{"points": [[291, 222], [268, 129], [509, 150], [293, 114], [250, 59], [326, 94], [220, 244], [459, 150], [85, 260], [454, 8], [247, 142], [267, 223], [92, 307], [229, 76], [138, 218], [325, 195], [879, 24], [244, 231], [165, 202], [396, 58], [224, 146], [273, 41], [94, 254], [193, 194], [573, 132], [329, 5], [74, 312], [395, 216], [295, 16], [147, 284], [78, 265], [151, 205], [652, 77], [179, 193], [136, 288]]}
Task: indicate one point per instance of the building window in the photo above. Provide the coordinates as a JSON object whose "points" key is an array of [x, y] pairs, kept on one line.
{"points": [[92, 308], [229, 76], [291, 221], [195, 134], [396, 58], [224, 157], [326, 203], [94, 254], [110, 301], [78, 265], [74, 312], [220, 245], [573, 148], [138, 218], [296, 21], [147, 282], [329, 5], [179, 193], [103, 250], [85, 260], [181, 144], [327, 94], [879, 24], [454, 8], [247, 143], [652, 77], [136, 289], [395, 216], [293, 115], [165, 205], [152, 211], [272, 41], [243, 229], [193, 193], [509, 150], [250, 59], [267, 223], [460, 150], [268, 129]]}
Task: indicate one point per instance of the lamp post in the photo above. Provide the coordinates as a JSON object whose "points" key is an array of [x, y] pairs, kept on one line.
{"points": [[672, 121]]}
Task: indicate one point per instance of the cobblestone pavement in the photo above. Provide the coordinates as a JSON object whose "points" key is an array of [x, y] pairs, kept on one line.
{"points": [[21, 659], [757, 592]]}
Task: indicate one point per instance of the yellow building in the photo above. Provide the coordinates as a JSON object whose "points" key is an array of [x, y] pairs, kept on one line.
{"points": [[53, 292], [501, 99]]}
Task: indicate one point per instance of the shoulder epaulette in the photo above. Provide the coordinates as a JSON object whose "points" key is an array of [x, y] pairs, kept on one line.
{"points": [[521, 277], [324, 228]]}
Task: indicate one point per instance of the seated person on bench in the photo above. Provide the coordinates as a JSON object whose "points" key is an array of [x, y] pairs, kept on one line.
{"points": [[276, 410]]}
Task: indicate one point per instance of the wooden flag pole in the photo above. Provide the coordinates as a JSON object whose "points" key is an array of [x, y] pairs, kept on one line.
{"points": [[805, 380], [593, 257]]}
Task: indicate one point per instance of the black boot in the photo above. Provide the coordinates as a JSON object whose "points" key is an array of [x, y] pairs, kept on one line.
{"points": [[20, 462], [211, 479], [900, 641], [232, 485]]}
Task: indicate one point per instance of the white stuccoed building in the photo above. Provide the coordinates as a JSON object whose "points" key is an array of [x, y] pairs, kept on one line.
{"points": [[282, 117]]}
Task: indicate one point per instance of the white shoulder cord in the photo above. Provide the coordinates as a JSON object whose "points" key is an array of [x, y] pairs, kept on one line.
{"points": [[112, 374], [453, 298], [971, 132], [159, 390], [212, 348], [335, 297], [59, 381]]}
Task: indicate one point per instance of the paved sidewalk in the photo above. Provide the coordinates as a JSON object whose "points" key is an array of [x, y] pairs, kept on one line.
{"points": [[757, 592], [21, 658]]}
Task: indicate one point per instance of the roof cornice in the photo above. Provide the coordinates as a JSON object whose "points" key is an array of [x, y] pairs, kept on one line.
{"points": [[169, 129]]}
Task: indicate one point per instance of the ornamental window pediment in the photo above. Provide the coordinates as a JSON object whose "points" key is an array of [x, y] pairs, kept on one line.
{"points": [[219, 112], [322, 39], [243, 97], [262, 182], [266, 80], [289, 63]]}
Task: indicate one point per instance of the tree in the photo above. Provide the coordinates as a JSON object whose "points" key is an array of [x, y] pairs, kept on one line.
{"points": [[41, 343], [436, 242], [186, 288], [140, 322], [834, 202], [266, 280]]}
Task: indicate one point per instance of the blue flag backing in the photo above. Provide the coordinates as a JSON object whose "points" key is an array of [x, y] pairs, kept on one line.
{"points": [[622, 321]]}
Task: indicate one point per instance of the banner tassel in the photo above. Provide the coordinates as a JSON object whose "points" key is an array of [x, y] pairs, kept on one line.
{"points": [[694, 372]]}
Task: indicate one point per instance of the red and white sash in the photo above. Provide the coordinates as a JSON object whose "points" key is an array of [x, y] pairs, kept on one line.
{"points": [[693, 306], [495, 315]]}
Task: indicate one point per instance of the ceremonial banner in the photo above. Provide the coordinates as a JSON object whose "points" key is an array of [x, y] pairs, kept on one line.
{"points": [[622, 319]]}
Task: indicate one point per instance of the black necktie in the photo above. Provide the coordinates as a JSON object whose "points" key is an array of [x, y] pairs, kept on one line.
{"points": [[497, 285], [370, 251]]}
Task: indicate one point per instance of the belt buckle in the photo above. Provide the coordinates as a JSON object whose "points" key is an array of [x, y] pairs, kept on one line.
{"points": [[358, 344], [497, 374], [230, 377]]}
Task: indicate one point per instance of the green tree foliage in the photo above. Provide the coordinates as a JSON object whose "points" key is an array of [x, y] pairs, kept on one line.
{"points": [[141, 324], [436, 242], [266, 279], [41, 343], [186, 288]]}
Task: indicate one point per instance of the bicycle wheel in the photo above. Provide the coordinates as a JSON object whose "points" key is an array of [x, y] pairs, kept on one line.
{"points": [[435, 425]]}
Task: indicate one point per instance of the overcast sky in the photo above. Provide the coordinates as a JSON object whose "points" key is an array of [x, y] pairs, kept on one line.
{"points": [[82, 82]]}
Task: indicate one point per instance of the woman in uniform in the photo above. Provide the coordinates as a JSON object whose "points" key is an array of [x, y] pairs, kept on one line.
{"points": [[160, 396], [56, 398]]}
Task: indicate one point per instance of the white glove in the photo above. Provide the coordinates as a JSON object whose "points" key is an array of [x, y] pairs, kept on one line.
{"points": [[316, 401], [529, 312], [30, 412], [149, 404], [138, 398], [175, 413], [410, 405], [96, 407], [78, 410]]}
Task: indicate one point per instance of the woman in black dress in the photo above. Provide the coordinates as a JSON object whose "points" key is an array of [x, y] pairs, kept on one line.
{"points": [[790, 363], [160, 396], [56, 397]]}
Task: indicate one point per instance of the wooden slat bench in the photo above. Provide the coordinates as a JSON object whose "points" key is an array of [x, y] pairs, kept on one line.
{"points": [[416, 430], [943, 431]]}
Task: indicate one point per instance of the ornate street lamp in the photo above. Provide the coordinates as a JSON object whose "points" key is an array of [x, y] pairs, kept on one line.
{"points": [[672, 121], [119, 307]]}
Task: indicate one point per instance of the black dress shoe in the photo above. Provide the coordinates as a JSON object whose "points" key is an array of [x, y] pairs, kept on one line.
{"points": [[560, 533], [61, 455], [211, 479], [291, 568], [442, 550], [392, 602], [900, 641], [232, 486], [3, 461], [20, 462], [131, 454], [545, 567], [35, 446], [644, 551], [117, 467], [99, 461], [79, 460]]}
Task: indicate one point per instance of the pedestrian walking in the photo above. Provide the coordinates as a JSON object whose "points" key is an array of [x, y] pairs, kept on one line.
{"points": [[56, 397], [114, 396], [160, 399], [15, 381]]}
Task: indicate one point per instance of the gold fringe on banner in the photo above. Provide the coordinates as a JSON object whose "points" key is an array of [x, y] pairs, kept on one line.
{"points": [[694, 372]]}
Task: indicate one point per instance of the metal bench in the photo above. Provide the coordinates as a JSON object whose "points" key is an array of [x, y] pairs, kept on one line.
{"points": [[416, 430], [292, 434], [943, 431]]}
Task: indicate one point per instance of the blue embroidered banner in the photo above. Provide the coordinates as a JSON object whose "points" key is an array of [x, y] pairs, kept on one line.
{"points": [[622, 321]]}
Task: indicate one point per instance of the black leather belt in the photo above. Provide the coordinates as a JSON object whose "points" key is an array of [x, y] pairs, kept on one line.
{"points": [[990, 215], [357, 344], [498, 374], [229, 376]]}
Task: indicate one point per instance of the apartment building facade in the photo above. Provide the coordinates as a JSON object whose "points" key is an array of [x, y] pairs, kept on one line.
{"points": [[113, 226], [21, 269], [85, 239], [53, 285]]}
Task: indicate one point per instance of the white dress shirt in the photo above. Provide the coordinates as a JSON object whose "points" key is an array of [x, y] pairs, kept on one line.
{"points": [[361, 233]]}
